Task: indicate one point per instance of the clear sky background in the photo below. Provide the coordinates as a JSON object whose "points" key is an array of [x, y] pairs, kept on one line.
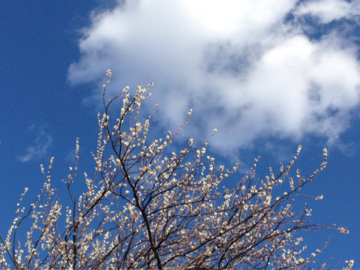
{"points": [[268, 74]]}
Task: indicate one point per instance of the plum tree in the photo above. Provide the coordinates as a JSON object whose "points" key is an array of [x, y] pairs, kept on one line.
{"points": [[149, 207]]}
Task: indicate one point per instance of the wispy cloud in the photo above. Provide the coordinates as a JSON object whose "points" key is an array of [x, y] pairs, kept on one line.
{"points": [[248, 68], [40, 145], [71, 156], [329, 10]]}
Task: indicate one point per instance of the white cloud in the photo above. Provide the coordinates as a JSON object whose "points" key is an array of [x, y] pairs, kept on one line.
{"points": [[39, 147], [244, 66], [329, 10]]}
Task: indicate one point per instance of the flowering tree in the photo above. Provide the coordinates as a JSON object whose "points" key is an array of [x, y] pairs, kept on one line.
{"points": [[147, 207]]}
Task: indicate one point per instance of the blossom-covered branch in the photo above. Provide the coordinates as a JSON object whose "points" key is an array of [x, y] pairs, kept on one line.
{"points": [[147, 206]]}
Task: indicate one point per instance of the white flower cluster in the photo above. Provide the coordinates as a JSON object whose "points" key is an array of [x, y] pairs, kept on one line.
{"points": [[150, 206]]}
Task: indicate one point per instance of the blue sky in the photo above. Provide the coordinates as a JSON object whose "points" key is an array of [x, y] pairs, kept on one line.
{"points": [[268, 74]]}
